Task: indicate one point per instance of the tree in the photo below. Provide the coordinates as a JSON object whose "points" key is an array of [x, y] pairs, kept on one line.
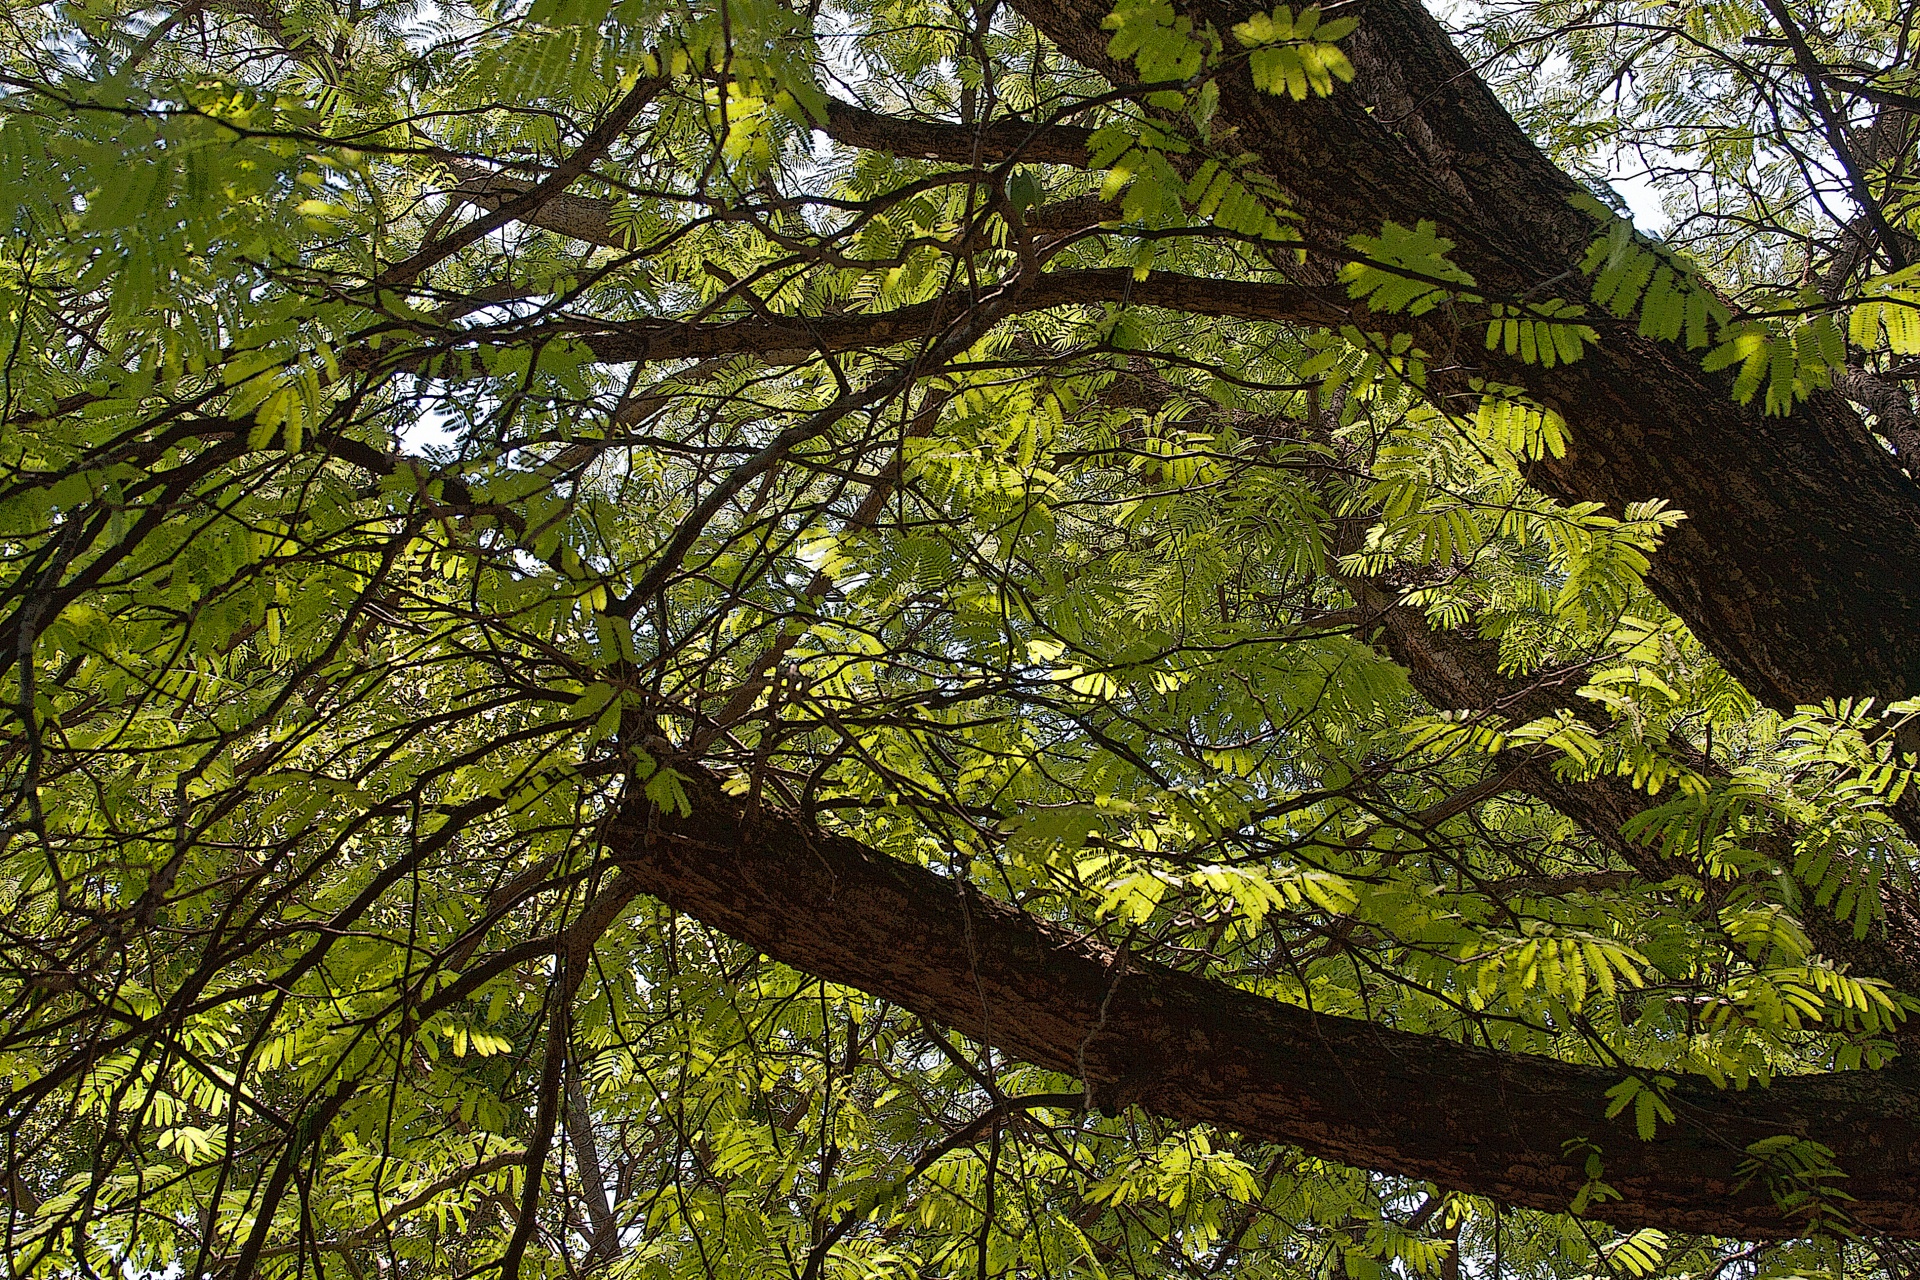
{"points": [[959, 639]]}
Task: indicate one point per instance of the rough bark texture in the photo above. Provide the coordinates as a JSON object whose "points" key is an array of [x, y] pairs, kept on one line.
{"points": [[1891, 407], [1198, 1051], [798, 336], [990, 142], [1799, 563]]}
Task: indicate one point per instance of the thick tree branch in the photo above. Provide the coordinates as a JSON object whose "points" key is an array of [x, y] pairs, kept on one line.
{"points": [[590, 218], [789, 338], [1196, 1051], [990, 142]]}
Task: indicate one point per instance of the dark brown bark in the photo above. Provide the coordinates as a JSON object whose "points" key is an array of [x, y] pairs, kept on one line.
{"points": [[778, 338], [990, 142], [590, 218], [1196, 1051], [1799, 563], [796, 337]]}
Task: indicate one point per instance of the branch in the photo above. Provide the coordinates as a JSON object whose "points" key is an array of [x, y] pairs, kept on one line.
{"points": [[990, 142], [594, 146], [604, 1247], [953, 338], [794, 337], [573, 954], [1891, 408], [1200, 1052], [590, 218], [789, 339], [1836, 130]]}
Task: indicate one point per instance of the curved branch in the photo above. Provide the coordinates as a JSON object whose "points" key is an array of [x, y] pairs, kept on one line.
{"points": [[590, 218], [1197, 1051]]}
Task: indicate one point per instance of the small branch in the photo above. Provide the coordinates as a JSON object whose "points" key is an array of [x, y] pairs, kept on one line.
{"points": [[603, 136]]}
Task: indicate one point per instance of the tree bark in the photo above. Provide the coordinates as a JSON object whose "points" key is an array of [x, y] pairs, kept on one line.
{"points": [[1510, 1126]]}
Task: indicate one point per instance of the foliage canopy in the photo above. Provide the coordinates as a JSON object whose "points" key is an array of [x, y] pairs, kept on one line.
{"points": [[473, 474]]}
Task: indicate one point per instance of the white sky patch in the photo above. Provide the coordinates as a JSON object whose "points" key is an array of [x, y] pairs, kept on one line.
{"points": [[1627, 175], [434, 429]]}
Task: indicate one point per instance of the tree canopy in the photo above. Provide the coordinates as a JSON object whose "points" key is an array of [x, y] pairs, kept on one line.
{"points": [[959, 638]]}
